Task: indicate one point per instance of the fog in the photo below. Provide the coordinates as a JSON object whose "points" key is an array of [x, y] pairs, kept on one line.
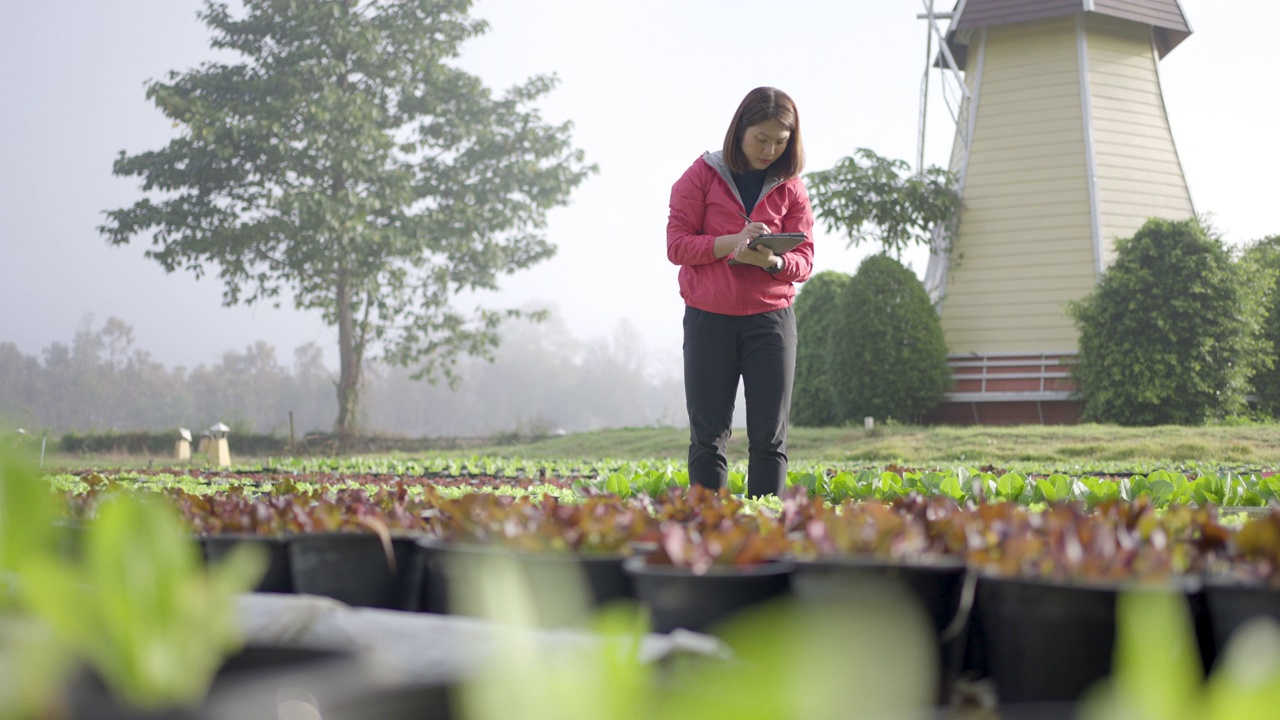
{"points": [[543, 380]]}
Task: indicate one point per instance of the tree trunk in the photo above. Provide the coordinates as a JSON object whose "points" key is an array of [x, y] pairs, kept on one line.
{"points": [[348, 366]]}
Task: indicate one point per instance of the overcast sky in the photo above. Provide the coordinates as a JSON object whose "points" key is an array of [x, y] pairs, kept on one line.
{"points": [[648, 85]]}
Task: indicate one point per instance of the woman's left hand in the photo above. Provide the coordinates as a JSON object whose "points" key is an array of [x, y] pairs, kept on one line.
{"points": [[761, 256]]}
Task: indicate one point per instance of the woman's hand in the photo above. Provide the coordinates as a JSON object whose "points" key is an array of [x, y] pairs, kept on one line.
{"points": [[751, 231], [761, 256]]}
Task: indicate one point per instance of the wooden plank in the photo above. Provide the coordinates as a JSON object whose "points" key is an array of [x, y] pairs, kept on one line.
{"points": [[1031, 95], [1016, 154], [1157, 184], [999, 199], [985, 13], [1115, 119], [1149, 203], [1062, 220], [1160, 13], [1024, 292], [1029, 339], [1010, 253], [988, 13]]}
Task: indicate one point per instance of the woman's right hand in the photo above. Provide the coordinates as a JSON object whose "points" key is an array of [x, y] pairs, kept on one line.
{"points": [[728, 244], [753, 230]]}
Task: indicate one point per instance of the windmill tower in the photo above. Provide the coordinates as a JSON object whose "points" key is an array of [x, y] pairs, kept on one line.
{"points": [[1062, 146]]}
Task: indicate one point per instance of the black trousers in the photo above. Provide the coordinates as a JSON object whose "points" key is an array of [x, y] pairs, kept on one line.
{"points": [[718, 349]]}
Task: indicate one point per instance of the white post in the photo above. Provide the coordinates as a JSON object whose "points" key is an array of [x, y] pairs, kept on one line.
{"points": [[219, 448], [182, 448], [868, 422]]}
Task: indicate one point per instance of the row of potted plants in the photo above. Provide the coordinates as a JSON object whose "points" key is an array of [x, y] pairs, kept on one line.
{"points": [[1221, 487], [983, 575]]}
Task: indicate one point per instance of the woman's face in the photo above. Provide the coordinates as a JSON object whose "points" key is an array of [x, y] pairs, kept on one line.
{"points": [[764, 143]]}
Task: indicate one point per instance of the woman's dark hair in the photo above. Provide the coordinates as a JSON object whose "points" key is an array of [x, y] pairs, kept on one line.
{"points": [[760, 105]]}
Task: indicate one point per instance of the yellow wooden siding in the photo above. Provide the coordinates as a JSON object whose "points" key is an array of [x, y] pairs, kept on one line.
{"points": [[1024, 245], [1138, 172], [1006, 255]]}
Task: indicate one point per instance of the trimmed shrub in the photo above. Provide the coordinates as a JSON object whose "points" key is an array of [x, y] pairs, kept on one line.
{"points": [[890, 358], [817, 309], [1169, 336], [1263, 257]]}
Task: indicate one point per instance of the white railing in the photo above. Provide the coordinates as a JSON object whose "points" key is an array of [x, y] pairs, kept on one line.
{"points": [[1044, 369]]}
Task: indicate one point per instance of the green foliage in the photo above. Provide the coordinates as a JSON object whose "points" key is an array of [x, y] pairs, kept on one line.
{"points": [[26, 515], [32, 665], [889, 358], [870, 656], [868, 197], [344, 162], [1157, 674], [1162, 488], [140, 606], [1157, 671], [1263, 257], [817, 321], [34, 670], [1170, 333]]}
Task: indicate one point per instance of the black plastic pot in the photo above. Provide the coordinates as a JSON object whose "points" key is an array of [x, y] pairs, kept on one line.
{"points": [[938, 589], [406, 702], [1230, 605], [433, 577], [409, 572], [678, 598], [600, 577], [1044, 642], [278, 577], [604, 575], [354, 568]]}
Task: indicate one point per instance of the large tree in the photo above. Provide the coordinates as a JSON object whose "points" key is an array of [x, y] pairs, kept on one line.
{"points": [[345, 163], [869, 197]]}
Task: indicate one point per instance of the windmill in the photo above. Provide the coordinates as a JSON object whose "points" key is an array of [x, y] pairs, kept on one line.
{"points": [[1062, 146]]}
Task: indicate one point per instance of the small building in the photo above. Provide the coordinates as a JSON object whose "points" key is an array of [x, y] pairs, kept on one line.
{"points": [[1062, 146]]}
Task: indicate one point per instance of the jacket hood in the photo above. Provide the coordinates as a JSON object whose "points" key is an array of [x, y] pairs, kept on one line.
{"points": [[715, 159]]}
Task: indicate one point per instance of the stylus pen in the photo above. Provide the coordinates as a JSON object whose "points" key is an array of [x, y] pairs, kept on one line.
{"points": [[748, 218]]}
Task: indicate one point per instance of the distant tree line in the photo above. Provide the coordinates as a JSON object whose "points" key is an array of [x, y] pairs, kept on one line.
{"points": [[542, 379]]}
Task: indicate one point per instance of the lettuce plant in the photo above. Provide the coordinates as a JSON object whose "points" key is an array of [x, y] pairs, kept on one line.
{"points": [[909, 529], [598, 524], [1116, 541], [140, 606]]}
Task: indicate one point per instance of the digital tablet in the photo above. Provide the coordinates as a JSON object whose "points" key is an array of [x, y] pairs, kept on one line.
{"points": [[779, 243]]}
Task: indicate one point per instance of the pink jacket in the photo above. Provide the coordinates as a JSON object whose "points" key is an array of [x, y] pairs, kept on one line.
{"points": [[704, 205]]}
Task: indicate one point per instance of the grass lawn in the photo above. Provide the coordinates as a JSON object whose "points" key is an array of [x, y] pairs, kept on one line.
{"points": [[1048, 446], [1051, 445]]}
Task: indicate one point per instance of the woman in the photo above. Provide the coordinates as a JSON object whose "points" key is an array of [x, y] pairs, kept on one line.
{"points": [[738, 319]]}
